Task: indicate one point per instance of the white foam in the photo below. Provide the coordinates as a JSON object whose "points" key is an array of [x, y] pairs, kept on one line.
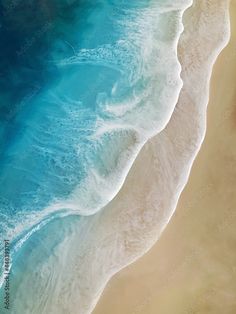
{"points": [[149, 51]]}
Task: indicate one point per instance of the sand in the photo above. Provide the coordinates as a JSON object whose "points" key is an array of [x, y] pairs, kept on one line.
{"points": [[172, 277], [191, 265]]}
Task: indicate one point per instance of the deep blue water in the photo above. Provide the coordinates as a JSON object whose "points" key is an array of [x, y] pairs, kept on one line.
{"points": [[48, 112]]}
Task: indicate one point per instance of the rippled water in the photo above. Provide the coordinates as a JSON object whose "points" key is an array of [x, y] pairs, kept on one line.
{"points": [[83, 85]]}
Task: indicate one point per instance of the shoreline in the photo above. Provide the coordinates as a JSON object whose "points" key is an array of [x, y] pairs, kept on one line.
{"points": [[135, 219], [122, 288]]}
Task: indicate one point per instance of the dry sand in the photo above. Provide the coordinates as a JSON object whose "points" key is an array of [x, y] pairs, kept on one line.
{"points": [[173, 278]]}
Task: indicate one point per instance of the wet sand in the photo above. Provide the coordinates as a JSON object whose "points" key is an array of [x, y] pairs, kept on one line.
{"points": [[192, 268]]}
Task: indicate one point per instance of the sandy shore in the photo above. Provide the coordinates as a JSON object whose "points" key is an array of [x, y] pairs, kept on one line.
{"points": [[192, 268], [170, 278]]}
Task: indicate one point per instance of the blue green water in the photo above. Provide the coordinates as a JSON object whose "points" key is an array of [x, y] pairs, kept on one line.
{"points": [[48, 112], [80, 93]]}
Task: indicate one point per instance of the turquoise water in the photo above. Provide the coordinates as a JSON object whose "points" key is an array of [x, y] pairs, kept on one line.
{"points": [[31, 278], [49, 112], [45, 132], [83, 85]]}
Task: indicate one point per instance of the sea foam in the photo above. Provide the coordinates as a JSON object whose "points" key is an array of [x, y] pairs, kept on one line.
{"points": [[141, 101]]}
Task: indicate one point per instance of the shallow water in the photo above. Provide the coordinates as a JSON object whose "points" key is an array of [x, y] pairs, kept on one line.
{"points": [[83, 85]]}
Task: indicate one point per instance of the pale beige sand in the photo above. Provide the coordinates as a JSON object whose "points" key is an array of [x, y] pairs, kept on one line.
{"points": [[173, 278], [94, 248]]}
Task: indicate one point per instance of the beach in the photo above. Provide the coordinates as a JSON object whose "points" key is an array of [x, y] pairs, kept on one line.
{"points": [[138, 149], [191, 269]]}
